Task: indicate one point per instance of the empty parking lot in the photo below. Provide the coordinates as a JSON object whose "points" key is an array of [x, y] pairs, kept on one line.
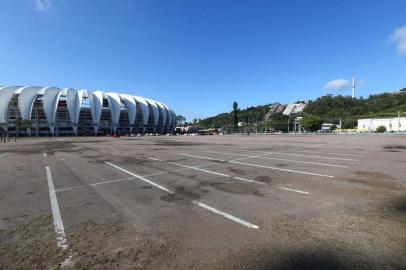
{"points": [[204, 202]]}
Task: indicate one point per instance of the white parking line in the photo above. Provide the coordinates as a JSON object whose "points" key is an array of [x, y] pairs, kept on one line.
{"points": [[216, 173], [291, 154], [327, 153], [245, 157], [294, 190], [205, 206], [94, 184], [156, 159], [248, 180], [198, 169], [280, 159], [208, 158], [123, 179], [281, 169], [45, 154], [59, 230], [140, 177], [2, 155], [274, 168]]}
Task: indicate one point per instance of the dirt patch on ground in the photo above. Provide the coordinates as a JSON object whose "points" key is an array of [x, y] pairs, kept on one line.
{"points": [[238, 188], [31, 245], [396, 147], [184, 193], [111, 246], [281, 165], [374, 180], [264, 178], [237, 171], [361, 241], [181, 193], [399, 204]]}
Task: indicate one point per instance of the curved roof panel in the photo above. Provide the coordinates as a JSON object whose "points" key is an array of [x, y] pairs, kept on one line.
{"points": [[169, 114], [50, 101], [144, 108], [6, 93], [73, 102], [26, 100], [163, 111], [131, 107], [115, 104], [96, 103], [155, 111]]}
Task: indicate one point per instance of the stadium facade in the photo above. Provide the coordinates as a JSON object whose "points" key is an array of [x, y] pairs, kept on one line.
{"points": [[51, 111]]}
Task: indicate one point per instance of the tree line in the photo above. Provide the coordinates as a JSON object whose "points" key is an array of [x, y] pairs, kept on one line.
{"points": [[327, 109]]}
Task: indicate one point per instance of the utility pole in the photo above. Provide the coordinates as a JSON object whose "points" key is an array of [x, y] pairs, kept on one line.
{"points": [[353, 86]]}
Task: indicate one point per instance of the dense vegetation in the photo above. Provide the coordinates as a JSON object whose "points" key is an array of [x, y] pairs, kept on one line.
{"points": [[328, 108], [250, 115], [311, 123], [340, 106]]}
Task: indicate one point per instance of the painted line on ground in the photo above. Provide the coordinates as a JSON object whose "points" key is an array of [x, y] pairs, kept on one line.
{"points": [[59, 230], [123, 179], [274, 168], [140, 177], [93, 184], [208, 158], [248, 180], [294, 190], [281, 169], [215, 173], [291, 154], [156, 159], [198, 169], [282, 159], [2, 155], [45, 154], [299, 155], [205, 206], [327, 153], [56, 214]]}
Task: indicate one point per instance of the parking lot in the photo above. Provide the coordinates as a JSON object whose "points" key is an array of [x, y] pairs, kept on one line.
{"points": [[204, 202]]}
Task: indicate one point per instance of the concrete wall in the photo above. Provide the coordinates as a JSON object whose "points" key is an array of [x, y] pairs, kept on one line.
{"points": [[391, 124]]}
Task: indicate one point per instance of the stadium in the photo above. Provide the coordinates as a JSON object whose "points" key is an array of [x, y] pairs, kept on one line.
{"points": [[50, 111]]}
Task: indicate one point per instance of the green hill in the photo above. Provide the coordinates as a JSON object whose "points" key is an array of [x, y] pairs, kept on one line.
{"points": [[329, 108]]}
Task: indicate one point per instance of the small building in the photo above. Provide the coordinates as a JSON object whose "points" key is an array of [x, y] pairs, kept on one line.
{"points": [[394, 124], [327, 127]]}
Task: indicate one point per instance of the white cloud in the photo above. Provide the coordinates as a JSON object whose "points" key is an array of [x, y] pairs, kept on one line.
{"points": [[399, 37], [42, 5], [337, 85]]}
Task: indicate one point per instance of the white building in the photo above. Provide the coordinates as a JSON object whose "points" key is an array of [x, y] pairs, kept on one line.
{"points": [[392, 124]]}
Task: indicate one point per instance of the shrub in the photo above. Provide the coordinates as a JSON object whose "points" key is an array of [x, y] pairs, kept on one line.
{"points": [[381, 129], [311, 123]]}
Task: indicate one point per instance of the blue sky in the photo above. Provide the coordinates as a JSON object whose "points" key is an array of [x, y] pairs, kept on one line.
{"points": [[200, 56]]}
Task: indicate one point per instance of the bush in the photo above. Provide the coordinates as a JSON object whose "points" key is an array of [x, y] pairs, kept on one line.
{"points": [[311, 123], [381, 129]]}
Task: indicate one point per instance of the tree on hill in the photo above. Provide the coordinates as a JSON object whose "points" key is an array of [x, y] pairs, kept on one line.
{"points": [[311, 123], [329, 108], [235, 116], [180, 120]]}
